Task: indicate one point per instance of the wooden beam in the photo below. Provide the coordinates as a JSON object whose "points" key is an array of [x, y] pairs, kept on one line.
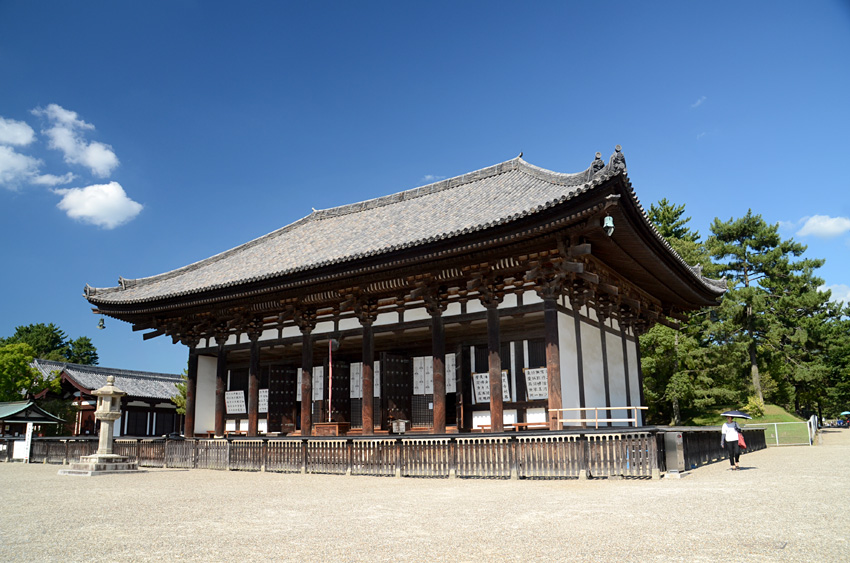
{"points": [[580, 250], [154, 334], [588, 277]]}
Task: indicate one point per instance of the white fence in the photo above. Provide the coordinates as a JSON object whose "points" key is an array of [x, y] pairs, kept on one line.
{"points": [[789, 433]]}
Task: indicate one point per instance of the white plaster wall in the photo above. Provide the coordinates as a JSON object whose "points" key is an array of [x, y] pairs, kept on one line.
{"points": [[509, 301], [327, 326], [349, 324], [291, 332], [205, 395], [418, 314], [474, 306], [530, 297], [634, 380], [270, 334], [569, 362], [594, 377], [617, 377], [386, 319], [483, 417], [452, 309]]}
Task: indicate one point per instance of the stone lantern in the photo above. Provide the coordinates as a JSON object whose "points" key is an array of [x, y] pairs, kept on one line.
{"points": [[107, 412]]}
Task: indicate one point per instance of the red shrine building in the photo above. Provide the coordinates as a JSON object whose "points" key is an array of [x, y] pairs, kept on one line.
{"points": [[500, 299]]}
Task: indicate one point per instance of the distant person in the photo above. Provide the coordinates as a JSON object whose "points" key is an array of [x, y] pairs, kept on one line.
{"points": [[729, 440]]}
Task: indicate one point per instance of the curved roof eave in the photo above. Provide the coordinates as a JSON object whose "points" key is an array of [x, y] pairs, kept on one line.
{"points": [[576, 184]]}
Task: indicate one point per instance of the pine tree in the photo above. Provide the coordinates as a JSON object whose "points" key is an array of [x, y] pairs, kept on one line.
{"points": [[755, 259]]}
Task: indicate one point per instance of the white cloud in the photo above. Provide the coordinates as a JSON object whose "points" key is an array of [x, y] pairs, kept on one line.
{"points": [[66, 135], [699, 102], [840, 292], [53, 180], [104, 205], [824, 226], [430, 178], [15, 132], [16, 168]]}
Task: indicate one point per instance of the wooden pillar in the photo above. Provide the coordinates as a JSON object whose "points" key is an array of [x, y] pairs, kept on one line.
{"points": [[191, 390], [438, 355], [254, 385], [306, 381], [626, 365], [576, 306], [367, 408], [220, 385], [553, 359], [494, 361], [606, 379]]}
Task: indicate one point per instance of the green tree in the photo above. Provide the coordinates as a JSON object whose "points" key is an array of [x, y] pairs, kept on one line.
{"points": [[180, 398], [680, 367], [18, 379], [51, 343], [82, 351], [754, 258], [667, 218]]}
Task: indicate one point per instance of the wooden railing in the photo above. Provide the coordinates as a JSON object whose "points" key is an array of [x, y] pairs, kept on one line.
{"points": [[584, 419], [702, 445], [627, 452]]}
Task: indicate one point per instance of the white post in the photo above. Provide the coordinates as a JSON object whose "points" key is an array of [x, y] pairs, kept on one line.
{"points": [[28, 443]]}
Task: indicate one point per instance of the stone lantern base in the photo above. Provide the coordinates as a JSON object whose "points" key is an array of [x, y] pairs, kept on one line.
{"points": [[101, 464]]}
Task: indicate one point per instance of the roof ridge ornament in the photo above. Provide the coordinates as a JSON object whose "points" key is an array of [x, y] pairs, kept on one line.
{"points": [[595, 167], [617, 163]]}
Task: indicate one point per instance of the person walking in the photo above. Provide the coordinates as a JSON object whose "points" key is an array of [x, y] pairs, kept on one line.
{"points": [[729, 440]]}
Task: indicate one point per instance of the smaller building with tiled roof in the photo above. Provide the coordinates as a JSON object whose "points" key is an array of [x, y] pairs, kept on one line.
{"points": [[146, 410]]}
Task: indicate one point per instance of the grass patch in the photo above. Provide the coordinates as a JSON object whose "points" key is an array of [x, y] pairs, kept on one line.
{"points": [[772, 413]]}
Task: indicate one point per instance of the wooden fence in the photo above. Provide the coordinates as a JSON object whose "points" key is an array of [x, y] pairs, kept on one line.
{"points": [[632, 452]]}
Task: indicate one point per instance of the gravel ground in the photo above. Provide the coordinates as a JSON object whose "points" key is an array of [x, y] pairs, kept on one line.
{"points": [[786, 504]]}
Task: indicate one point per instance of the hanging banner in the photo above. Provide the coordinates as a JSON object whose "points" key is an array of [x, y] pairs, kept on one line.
{"points": [[376, 375], [298, 386], [264, 401], [356, 378], [536, 383], [318, 383], [419, 375], [451, 374], [481, 382], [234, 402]]}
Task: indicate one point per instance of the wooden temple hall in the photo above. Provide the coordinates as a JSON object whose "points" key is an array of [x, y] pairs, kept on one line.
{"points": [[509, 298]]}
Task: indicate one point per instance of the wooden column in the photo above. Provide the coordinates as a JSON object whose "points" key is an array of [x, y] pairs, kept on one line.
{"points": [[553, 358], [306, 321], [606, 378], [438, 355], [254, 384], [306, 382], [191, 390], [220, 385], [576, 306], [367, 406], [494, 362], [626, 364]]}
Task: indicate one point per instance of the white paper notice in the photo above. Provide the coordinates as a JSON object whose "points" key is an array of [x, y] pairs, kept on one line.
{"points": [[234, 402], [481, 382], [536, 383]]}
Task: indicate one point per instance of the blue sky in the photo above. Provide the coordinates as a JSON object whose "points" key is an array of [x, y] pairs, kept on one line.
{"points": [[136, 138]]}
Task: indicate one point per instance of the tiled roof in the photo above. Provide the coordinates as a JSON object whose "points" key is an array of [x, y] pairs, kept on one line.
{"points": [[453, 207], [135, 383], [26, 411], [448, 208]]}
